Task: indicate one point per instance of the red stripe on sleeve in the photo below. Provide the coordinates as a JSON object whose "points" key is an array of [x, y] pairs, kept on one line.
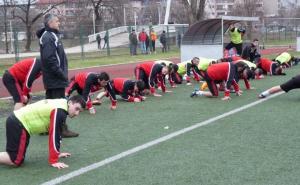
{"points": [[53, 151]]}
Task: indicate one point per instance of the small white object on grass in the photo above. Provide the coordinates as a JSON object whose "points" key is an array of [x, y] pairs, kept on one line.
{"points": [[166, 127]]}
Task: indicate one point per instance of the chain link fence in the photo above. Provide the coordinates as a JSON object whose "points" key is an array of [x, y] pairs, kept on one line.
{"points": [[82, 44]]}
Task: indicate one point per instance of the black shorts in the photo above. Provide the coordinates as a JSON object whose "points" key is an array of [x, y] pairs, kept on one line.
{"points": [[17, 140], [238, 47], [13, 87], [55, 93], [210, 83], [141, 75], [293, 83]]}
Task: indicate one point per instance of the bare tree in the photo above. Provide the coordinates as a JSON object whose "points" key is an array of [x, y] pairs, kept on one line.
{"points": [[26, 14], [108, 8], [248, 8], [195, 9], [4, 9]]}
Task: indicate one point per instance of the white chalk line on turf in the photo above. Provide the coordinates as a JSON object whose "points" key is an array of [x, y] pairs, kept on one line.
{"points": [[151, 143]]}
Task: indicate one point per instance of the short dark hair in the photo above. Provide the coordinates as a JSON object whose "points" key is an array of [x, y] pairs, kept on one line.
{"points": [[255, 40], [48, 17], [250, 73], [163, 64], [140, 85], [78, 99], [103, 76]]}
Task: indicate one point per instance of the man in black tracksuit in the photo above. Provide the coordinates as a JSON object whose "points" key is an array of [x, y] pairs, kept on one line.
{"points": [[54, 62]]}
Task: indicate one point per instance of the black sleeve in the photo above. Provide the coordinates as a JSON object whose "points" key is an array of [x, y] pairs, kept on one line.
{"points": [[57, 120], [128, 87], [33, 74], [90, 80], [51, 58], [155, 71], [188, 69], [111, 92]]}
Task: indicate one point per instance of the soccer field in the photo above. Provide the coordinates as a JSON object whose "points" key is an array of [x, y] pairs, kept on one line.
{"points": [[256, 145]]}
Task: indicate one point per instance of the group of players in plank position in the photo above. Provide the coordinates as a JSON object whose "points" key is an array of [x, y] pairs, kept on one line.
{"points": [[216, 75]]}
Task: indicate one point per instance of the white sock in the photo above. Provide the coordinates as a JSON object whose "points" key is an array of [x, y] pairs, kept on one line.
{"points": [[199, 93], [265, 93]]}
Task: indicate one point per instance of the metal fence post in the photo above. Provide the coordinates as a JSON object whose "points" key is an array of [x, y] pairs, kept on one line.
{"points": [[16, 45], [168, 38], [81, 42], [107, 42]]}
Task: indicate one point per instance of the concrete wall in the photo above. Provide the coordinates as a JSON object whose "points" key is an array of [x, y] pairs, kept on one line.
{"points": [[206, 51]]}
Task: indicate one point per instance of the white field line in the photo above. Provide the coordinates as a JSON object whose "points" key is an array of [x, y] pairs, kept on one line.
{"points": [[151, 143]]}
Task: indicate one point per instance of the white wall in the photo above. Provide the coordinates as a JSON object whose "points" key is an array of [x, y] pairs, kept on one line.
{"points": [[206, 51]]}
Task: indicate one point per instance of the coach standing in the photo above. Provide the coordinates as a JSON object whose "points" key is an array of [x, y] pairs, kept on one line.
{"points": [[54, 63]]}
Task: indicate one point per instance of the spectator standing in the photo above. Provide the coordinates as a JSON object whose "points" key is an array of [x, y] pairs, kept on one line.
{"points": [[133, 42], [163, 41], [105, 40], [142, 39], [153, 38], [98, 38]]}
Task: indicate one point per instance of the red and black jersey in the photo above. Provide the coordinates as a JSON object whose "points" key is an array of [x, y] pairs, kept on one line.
{"points": [[224, 71], [219, 71], [86, 83], [267, 65], [241, 66], [25, 72], [153, 72], [125, 88]]}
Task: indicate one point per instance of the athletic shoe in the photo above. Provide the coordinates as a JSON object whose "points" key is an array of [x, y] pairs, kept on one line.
{"points": [[194, 93], [261, 96]]}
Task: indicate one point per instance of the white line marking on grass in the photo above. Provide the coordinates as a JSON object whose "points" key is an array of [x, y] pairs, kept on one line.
{"points": [[151, 143]]}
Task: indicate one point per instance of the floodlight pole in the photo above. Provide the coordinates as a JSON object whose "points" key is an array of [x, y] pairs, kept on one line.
{"points": [[94, 26], [11, 37], [167, 12]]}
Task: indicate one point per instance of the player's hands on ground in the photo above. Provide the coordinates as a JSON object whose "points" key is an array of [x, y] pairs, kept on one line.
{"points": [[64, 155], [239, 93], [92, 110], [156, 95], [25, 99], [113, 107], [143, 98], [59, 165], [137, 100], [260, 77], [97, 102], [226, 98]]}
